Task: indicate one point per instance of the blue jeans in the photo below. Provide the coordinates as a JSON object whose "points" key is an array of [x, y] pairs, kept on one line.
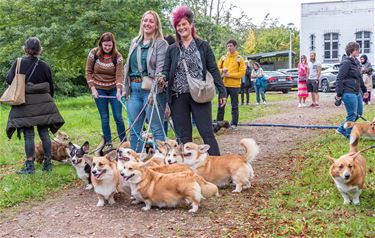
{"points": [[102, 105], [259, 91], [138, 98], [354, 109]]}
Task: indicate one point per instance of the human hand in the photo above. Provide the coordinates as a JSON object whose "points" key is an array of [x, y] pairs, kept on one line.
{"points": [[167, 112], [222, 102], [118, 94], [150, 99], [365, 95], [94, 92], [161, 82]]}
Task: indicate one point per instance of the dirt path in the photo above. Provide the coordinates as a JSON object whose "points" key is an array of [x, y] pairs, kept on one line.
{"points": [[72, 213]]}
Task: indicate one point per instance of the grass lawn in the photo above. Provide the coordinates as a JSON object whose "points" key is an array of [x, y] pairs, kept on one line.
{"points": [[309, 202], [82, 123]]}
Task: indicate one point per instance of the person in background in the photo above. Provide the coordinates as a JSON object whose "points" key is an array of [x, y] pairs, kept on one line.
{"points": [[260, 82], [350, 86], [303, 74], [39, 110], [313, 82], [366, 70], [199, 58], [104, 73], [246, 84], [232, 68], [145, 61]]}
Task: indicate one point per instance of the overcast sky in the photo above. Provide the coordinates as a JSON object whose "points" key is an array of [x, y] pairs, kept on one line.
{"points": [[286, 10]]}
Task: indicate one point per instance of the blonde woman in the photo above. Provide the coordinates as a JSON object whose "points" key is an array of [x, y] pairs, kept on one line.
{"points": [[145, 62]]}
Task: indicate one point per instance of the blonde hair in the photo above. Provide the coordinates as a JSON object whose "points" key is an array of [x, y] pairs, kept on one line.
{"points": [[158, 34]]}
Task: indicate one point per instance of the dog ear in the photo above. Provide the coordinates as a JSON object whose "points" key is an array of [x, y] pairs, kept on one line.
{"points": [[111, 156], [354, 156], [125, 144], [85, 147], [203, 148], [333, 160], [88, 159], [70, 145], [160, 145]]}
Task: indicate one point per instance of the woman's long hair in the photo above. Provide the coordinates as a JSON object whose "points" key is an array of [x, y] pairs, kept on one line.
{"points": [[106, 36], [158, 34]]}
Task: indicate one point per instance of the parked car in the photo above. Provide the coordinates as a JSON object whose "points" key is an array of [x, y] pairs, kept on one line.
{"points": [[277, 81], [328, 76], [292, 72], [373, 75]]}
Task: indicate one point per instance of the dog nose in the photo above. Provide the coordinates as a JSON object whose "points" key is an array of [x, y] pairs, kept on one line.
{"points": [[347, 176], [93, 172], [169, 161], [120, 152], [122, 174]]}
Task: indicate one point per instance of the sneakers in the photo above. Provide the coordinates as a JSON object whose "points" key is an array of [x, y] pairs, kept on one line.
{"points": [[341, 132], [303, 105], [314, 105], [299, 104], [264, 102], [257, 103], [233, 127], [47, 165], [28, 168]]}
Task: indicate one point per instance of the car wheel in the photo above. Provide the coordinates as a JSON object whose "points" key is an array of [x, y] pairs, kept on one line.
{"points": [[325, 86], [285, 90]]}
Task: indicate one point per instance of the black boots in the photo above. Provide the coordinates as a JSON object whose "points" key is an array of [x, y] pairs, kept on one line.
{"points": [[47, 165], [28, 169]]}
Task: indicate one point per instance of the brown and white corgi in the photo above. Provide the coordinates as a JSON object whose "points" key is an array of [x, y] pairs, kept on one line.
{"points": [[218, 169], [349, 173], [161, 190], [360, 129], [58, 146], [105, 179]]}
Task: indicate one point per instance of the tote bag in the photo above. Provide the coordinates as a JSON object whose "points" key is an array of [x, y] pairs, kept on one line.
{"points": [[201, 91], [15, 93]]}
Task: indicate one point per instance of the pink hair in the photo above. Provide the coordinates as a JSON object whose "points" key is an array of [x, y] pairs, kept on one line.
{"points": [[180, 13]]}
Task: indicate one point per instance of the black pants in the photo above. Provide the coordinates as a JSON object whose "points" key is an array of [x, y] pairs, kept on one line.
{"points": [[182, 109], [233, 94], [245, 91], [29, 141]]}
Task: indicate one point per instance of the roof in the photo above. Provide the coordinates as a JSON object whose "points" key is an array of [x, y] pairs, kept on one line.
{"points": [[269, 55]]}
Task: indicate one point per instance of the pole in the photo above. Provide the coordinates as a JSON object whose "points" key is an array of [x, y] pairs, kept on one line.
{"points": [[290, 48]]}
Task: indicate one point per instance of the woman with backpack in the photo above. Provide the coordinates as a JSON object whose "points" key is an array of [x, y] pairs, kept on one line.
{"points": [[104, 75]]}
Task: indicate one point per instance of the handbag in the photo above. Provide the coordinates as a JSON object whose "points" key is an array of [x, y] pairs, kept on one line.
{"points": [[15, 93], [201, 91]]}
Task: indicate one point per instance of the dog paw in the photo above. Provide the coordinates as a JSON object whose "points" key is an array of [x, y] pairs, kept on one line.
{"points": [[356, 202], [193, 210], [88, 187], [346, 202], [145, 208], [236, 191], [135, 202], [111, 201], [100, 204]]}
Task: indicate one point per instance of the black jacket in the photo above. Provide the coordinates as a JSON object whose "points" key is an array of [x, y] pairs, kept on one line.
{"points": [[208, 62], [349, 78], [41, 74]]}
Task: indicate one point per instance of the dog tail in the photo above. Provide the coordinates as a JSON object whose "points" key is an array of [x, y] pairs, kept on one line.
{"points": [[251, 148], [208, 189], [99, 149]]}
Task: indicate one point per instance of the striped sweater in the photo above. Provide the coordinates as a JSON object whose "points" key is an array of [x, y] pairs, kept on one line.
{"points": [[104, 74]]}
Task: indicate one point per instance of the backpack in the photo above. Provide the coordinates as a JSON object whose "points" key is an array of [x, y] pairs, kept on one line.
{"points": [[114, 61], [224, 57]]}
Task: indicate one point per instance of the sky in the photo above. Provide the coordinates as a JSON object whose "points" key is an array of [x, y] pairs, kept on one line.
{"points": [[288, 11]]}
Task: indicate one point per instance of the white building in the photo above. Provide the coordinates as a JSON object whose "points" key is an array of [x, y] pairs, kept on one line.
{"points": [[326, 28]]}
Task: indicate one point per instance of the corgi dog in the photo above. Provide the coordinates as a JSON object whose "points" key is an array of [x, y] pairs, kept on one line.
{"points": [[218, 169], [58, 146], [81, 162], [161, 190], [127, 154], [349, 173], [360, 129], [105, 179], [163, 148]]}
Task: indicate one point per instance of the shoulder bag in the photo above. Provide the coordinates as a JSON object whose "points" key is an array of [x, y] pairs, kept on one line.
{"points": [[201, 91]]}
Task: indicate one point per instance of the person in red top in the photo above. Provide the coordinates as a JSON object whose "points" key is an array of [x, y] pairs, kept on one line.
{"points": [[104, 75], [303, 75]]}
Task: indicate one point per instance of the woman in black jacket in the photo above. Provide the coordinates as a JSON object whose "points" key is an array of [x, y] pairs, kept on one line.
{"points": [[350, 87], [39, 109], [200, 59]]}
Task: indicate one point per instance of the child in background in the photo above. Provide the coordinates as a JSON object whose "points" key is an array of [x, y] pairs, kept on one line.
{"points": [[303, 73]]}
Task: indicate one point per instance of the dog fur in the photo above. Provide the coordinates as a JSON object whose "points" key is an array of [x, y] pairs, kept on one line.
{"points": [[58, 147], [348, 173], [105, 179], [81, 162], [218, 169], [360, 129], [162, 190]]}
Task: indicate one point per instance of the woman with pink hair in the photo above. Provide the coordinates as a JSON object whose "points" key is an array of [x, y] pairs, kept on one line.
{"points": [[199, 58]]}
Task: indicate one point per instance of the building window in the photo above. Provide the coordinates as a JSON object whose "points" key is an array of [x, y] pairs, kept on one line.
{"points": [[331, 46], [312, 42], [363, 39]]}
